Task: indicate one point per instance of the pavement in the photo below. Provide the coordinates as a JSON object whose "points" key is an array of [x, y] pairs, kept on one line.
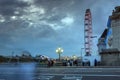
{"points": [[35, 72], [72, 73]]}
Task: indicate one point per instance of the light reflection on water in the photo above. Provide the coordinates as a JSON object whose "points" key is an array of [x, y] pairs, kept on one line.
{"points": [[22, 71]]}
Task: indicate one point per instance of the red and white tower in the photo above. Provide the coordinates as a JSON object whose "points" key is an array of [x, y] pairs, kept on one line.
{"points": [[88, 32]]}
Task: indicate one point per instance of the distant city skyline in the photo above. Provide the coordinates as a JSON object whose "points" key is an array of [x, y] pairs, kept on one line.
{"points": [[41, 26]]}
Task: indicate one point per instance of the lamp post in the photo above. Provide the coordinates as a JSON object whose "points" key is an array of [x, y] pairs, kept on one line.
{"points": [[81, 51], [59, 51], [81, 55]]}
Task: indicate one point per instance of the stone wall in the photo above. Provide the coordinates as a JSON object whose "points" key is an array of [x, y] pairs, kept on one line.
{"points": [[116, 34], [110, 58]]}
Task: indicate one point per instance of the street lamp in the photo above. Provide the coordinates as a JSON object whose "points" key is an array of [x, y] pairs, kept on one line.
{"points": [[59, 51], [74, 57]]}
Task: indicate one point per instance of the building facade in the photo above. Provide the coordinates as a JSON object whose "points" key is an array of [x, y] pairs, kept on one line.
{"points": [[115, 25], [111, 55]]}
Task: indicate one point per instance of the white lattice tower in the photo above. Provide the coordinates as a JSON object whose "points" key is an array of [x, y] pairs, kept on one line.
{"points": [[88, 32]]}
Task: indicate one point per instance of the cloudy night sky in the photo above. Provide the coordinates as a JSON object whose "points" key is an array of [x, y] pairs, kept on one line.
{"points": [[40, 26]]}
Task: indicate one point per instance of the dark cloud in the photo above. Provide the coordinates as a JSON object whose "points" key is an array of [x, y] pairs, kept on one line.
{"points": [[56, 18], [39, 23], [7, 7], [46, 31], [15, 32], [56, 6]]}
